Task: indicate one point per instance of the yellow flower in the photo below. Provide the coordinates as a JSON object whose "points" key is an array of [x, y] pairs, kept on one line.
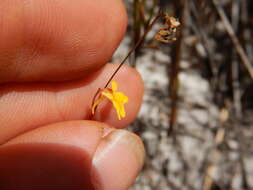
{"points": [[118, 99]]}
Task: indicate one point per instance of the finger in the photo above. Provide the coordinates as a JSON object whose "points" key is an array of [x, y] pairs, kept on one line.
{"points": [[71, 155], [49, 40], [117, 161], [24, 107]]}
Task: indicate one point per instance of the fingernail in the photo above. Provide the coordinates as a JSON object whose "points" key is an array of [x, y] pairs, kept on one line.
{"points": [[117, 161]]}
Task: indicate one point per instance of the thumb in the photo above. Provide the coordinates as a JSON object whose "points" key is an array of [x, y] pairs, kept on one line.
{"points": [[71, 155]]}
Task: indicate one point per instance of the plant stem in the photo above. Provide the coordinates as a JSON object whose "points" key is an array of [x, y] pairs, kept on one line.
{"points": [[136, 45]]}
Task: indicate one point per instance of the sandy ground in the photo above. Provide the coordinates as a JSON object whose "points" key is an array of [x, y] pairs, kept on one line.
{"points": [[194, 160]]}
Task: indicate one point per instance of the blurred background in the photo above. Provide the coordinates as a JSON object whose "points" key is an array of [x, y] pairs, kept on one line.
{"points": [[197, 117]]}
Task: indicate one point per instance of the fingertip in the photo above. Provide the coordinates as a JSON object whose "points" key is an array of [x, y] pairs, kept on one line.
{"points": [[118, 160]]}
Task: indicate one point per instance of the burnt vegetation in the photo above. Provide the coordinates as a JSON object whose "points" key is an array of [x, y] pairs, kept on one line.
{"points": [[196, 141]]}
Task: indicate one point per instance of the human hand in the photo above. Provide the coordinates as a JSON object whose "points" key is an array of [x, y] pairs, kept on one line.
{"points": [[52, 57]]}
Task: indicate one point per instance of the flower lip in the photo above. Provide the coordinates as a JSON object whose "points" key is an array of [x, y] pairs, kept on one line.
{"points": [[117, 98]]}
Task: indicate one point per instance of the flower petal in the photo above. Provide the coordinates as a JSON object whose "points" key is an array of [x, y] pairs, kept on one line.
{"points": [[119, 96], [118, 100], [122, 111], [114, 86], [117, 108], [98, 101], [108, 95]]}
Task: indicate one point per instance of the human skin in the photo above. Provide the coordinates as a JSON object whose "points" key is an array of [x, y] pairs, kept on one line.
{"points": [[53, 57]]}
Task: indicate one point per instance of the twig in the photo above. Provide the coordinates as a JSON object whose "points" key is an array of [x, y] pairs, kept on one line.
{"points": [[240, 51], [138, 23], [173, 75], [215, 154], [245, 25], [245, 183], [200, 30], [235, 66]]}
